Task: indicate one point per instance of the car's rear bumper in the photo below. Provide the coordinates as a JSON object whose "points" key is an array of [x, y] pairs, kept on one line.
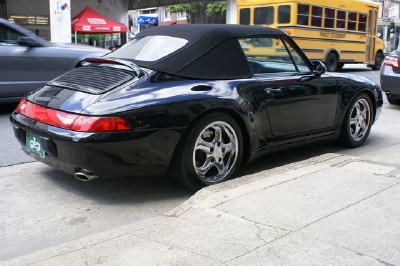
{"points": [[390, 85], [106, 155]]}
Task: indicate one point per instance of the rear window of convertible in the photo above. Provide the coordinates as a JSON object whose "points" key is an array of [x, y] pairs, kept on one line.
{"points": [[149, 48]]}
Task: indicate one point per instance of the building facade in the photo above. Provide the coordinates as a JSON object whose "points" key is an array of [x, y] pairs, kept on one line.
{"points": [[389, 23], [35, 15]]}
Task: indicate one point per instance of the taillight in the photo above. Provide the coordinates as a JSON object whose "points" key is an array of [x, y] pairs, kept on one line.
{"points": [[391, 61], [71, 121]]}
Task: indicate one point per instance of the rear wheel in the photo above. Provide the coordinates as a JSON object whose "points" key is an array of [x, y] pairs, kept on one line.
{"points": [[378, 61], [357, 122], [210, 153], [332, 62]]}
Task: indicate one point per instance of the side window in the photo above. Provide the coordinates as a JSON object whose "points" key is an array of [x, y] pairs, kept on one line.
{"points": [[271, 55], [329, 18], [316, 16], [244, 18], [284, 14], [341, 19], [9, 36], [362, 22], [303, 14], [263, 15], [298, 60], [352, 21]]}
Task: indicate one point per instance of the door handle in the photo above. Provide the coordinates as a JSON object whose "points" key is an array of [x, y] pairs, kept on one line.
{"points": [[272, 90]]}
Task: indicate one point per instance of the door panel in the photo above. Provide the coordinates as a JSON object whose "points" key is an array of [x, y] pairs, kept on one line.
{"points": [[300, 104]]}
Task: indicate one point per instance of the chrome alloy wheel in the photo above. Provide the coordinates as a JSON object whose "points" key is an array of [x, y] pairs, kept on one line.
{"points": [[215, 152], [360, 119]]}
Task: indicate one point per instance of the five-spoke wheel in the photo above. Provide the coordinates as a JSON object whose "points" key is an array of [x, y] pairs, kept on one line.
{"points": [[215, 152], [358, 121], [209, 153]]}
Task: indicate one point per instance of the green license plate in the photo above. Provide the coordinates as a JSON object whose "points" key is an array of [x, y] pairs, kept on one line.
{"points": [[33, 144]]}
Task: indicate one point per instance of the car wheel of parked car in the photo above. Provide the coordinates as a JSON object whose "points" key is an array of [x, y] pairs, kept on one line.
{"points": [[393, 101], [332, 62], [210, 153], [357, 122], [378, 61]]}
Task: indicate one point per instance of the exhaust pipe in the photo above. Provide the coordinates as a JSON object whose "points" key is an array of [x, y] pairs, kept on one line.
{"points": [[85, 175], [388, 94]]}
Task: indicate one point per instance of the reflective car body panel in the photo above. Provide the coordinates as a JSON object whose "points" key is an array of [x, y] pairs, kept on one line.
{"points": [[273, 110], [28, 62], [390, 76]]}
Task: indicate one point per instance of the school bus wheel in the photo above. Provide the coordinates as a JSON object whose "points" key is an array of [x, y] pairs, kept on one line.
{"points": [[332, 62]]}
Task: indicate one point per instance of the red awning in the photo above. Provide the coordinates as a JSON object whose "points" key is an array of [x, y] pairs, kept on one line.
{"points": [[89, 21]]}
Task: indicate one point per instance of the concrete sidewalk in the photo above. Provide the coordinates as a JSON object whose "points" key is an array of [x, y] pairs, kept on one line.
{"points": [[327, 210]]}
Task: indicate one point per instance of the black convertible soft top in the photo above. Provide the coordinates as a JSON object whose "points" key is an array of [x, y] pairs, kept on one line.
{"points": [[212, 51]]}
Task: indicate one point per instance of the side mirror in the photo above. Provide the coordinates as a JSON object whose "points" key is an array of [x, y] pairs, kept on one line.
{"points": [[28, 42], [319, 68]]}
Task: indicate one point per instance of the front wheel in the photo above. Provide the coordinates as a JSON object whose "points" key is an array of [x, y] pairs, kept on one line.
{"points": [[357, 122], [210, 153], [378, 61]]}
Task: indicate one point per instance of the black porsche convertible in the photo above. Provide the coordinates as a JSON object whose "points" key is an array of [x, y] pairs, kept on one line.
{"points": [[192, 102]]}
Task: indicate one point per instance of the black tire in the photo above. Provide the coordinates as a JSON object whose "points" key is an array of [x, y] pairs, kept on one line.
{"points": [[378, 61], [332, 62], [357, 122], [393, 101], [340, 66], [202, 148]]}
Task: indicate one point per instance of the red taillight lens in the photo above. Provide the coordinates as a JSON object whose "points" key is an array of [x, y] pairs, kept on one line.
{"points": [[71, 121], [100, 124], [391, 61]]}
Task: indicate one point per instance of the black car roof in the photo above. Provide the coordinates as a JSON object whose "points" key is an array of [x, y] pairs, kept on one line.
{"points": [[212, 51]]}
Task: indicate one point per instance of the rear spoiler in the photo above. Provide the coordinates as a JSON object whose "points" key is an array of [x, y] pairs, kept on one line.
{"points": [[139, 72]]}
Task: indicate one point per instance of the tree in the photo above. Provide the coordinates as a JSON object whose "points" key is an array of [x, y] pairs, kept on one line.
{"points": [[216, 9], [188, 8]]}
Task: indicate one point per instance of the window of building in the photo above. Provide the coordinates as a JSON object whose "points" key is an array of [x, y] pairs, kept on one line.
{"points": [[362, 22], [263, 15], [181, 16], [340, 19], [284, 14], [244, 16], [352, 21], [148, 11], [316, 16], [303, 14], [329, 18], [166, 15], [30, 20]]}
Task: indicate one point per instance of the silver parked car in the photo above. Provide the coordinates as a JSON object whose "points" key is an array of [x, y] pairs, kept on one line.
{"points": [[27, 62], [390, 77]]}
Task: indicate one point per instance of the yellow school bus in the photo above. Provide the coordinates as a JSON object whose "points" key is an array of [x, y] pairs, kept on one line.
{"points": [[333, 31]]}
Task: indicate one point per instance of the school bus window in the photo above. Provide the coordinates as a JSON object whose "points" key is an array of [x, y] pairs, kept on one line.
{"points": [[362, 22], [244, 16], [316, 16], [340, 19], [329, 18], [303, 14], [284, 14], [263, 15], [352, 21]]}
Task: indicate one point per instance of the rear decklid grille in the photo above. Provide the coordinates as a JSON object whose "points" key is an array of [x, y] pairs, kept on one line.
{"points": [[93, 79]]}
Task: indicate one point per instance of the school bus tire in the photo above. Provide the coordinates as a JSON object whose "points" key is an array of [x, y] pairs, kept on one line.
{"points": [[378, 61], [332, 62]]}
